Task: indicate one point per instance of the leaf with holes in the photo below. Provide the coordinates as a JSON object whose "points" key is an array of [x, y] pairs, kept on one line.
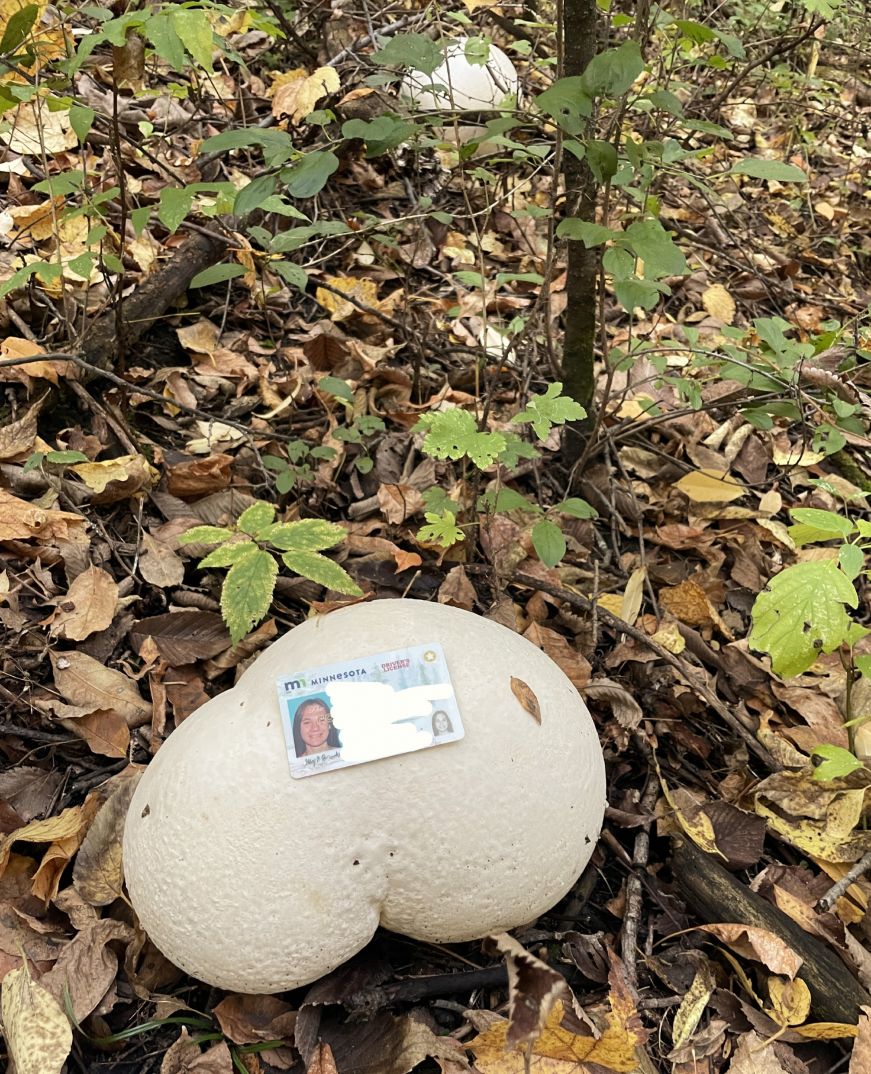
{"points": [[801, 614]]}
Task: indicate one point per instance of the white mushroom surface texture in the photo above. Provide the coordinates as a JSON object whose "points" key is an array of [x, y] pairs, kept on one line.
{"points": [[258, 882], [462, 85]]}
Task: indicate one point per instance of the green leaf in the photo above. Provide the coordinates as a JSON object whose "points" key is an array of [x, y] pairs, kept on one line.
{"points": [[602, 158], [65, 458], [505, 500], [851, 559], [817, 525], [253, 195], [81, 118], [582, 230], [225, 555], [409, 50], [649, 240], [161, 32], [863, 663], [768, 169], [545, 411], [567, 103], [217, 274], [307, 535], [324, 571], [611, 73], [548, 541], [837, 762], [205, 535], [195, 32], [801, 614], [293, 274], [380, 134], [340, 388], [18, 28], [256, 518], [454, 433], [247, 592], [175, 204], [442, 529], [577, 508], [309, 176]]}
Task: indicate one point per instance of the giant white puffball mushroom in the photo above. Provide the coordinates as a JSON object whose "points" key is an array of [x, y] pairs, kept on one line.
{"points": [[457, 84], [254, 881]]}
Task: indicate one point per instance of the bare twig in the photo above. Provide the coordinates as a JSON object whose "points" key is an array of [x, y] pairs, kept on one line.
{"points": [[850, 877]]}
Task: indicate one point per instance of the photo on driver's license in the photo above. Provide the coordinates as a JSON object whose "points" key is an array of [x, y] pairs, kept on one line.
{"points": [[368, 708]]}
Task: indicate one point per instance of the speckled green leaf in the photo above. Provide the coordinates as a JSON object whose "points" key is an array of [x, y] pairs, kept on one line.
{"points": [[256, 518], [225, 555], [307, 535], [323, 571], [205, 535], [247, 593]]}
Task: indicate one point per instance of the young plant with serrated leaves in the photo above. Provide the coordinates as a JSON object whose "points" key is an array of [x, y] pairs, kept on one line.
{"points": [[250, 548], [454, 434], [803, 613]]}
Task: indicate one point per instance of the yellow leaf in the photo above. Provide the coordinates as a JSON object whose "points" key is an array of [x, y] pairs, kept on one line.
{"points": [[790, 1001], [557, 1050], [827, 1030], [298, 96], [62, 826], [363, 291], [719, 303], [633, 595], [129, 472], [693, 1005], [38, 1033], [710, 486]]}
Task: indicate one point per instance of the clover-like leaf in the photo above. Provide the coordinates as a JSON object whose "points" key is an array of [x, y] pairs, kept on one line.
{"points": [[552, 408], [442, 529], [454, 433]]}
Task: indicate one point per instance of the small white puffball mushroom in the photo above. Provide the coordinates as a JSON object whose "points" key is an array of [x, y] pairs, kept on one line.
{"points": [[461, 85], [254, 881]]}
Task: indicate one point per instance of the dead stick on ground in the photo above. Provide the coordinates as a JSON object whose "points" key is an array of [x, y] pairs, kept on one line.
{"points": [[701, 688], [837, 890], [640, 856]]}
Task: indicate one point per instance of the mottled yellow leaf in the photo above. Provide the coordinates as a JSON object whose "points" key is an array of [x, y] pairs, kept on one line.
{"points": [[38, 1033]]}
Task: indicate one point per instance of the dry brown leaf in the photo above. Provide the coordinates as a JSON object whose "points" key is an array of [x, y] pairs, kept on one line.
{"points": [[790, 1001], [575, 666], [405, 560], [87, 966], [193, 478], [38, 1033], [457, 590], [84, 681], [753, 1055], [65, 825], [104, 730], [526, 696], [399, 502], [29, 790], [88, 606], [758, 944], [184, 1057], [322, 1061], [533, 989], [22, 521], [159, 564], [97, 874], [627, 711], [252, 1019], [19, 437], [689, 603], [860, 1060]]}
